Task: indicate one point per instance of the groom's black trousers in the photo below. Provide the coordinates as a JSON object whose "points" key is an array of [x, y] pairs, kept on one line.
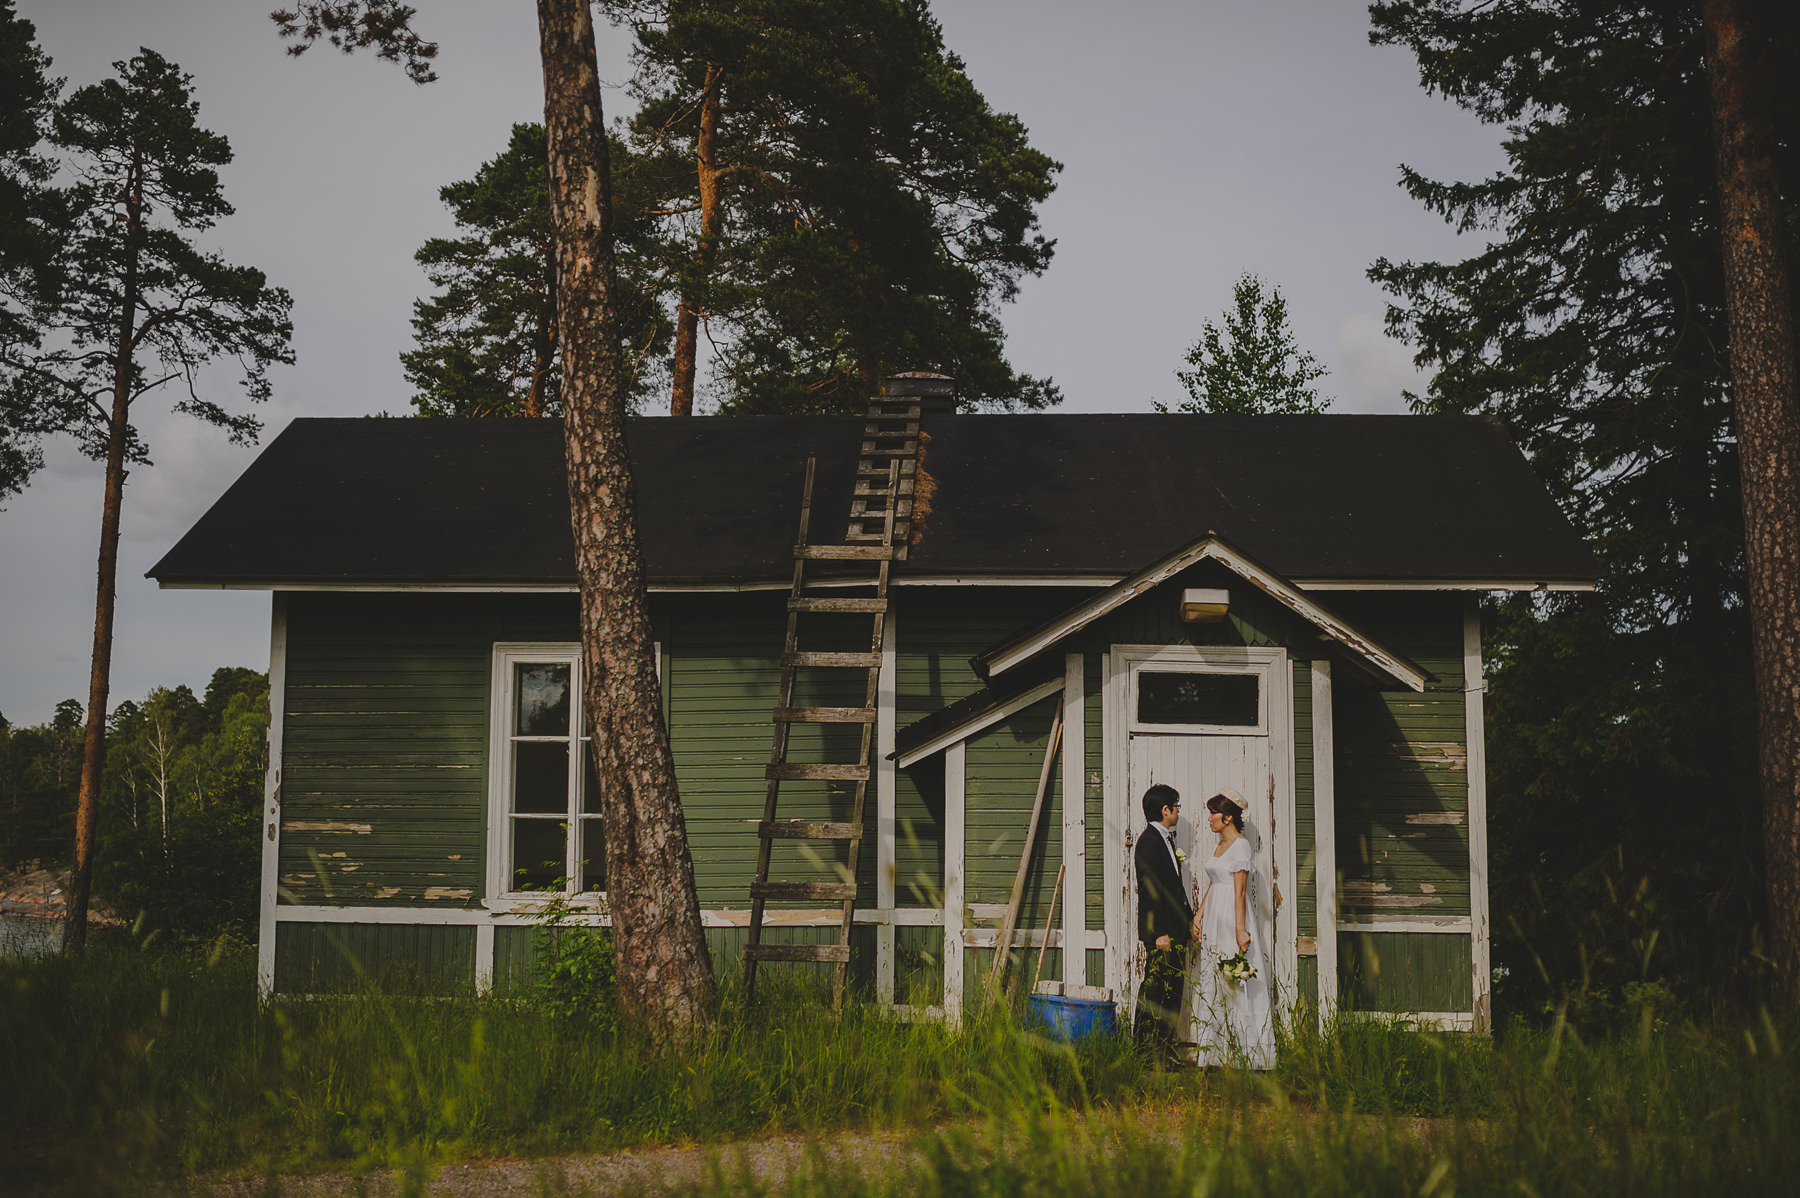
{"points": [[1159, 1000]]}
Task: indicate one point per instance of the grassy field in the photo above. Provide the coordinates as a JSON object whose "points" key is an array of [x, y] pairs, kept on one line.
{"points": [[135, 1066]]}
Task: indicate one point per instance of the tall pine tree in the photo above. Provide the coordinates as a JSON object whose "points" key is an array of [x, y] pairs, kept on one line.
{"points": [[486, 341], [140, 307], [1593, 326], [856, 206], [31, 226]]}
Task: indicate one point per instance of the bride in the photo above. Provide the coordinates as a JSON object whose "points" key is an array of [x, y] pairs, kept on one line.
{"points": [[1230, 1013]]}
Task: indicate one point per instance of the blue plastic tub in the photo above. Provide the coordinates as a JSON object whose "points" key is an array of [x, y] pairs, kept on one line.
{"points": [[1072, 1019]]}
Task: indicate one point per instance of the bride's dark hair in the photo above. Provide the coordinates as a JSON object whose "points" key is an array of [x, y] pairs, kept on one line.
{"points": [[1230, 810]]}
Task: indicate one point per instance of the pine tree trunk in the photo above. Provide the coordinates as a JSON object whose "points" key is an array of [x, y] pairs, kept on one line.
{"points": [[687, 316], [1767, 410], [666, 989], [93, 744]]}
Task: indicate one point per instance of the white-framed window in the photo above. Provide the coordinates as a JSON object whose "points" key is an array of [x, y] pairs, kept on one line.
{"points": [[543, 800]]}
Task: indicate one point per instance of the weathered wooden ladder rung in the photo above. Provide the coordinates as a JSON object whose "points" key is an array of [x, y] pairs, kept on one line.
{"points": [[839, 953], [880, 509]]}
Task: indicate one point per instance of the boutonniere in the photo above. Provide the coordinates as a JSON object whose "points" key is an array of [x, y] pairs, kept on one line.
{"points": [[1181, 856]]}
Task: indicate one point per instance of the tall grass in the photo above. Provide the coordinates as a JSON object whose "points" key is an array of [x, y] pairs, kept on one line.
{"points": [[133, 1065]]}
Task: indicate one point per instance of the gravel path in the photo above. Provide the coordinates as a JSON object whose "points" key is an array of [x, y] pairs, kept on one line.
{"points": [[769, 1162]]}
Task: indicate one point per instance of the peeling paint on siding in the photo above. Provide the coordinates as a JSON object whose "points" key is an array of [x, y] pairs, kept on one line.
{"points": [[319, 825]]}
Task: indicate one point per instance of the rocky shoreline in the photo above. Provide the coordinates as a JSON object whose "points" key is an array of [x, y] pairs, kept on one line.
{"points": [[39, 894]]}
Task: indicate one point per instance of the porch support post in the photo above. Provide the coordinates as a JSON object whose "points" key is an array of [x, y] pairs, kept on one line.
{"points": [[885, 862], [271, 830], [1324, 841], [1074, 822], [955, 904], [1474, 713]]}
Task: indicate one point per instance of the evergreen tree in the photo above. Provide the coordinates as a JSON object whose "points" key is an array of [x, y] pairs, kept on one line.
{"points": [[31, 217], [1593, 326], [487, 340], [140, 307], [1252, 364], [856, 207]]}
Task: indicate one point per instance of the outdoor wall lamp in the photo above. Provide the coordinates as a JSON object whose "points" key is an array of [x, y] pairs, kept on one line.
{"points": [[1201, 605]]}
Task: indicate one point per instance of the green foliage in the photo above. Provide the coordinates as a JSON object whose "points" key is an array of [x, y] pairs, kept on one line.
{"points": [[146, 178], [181, 796], [31, 220], [1253, 364], [877, 210], [1592, 325], [577, 972], [486, 341], [182, 799], [40, 768]]}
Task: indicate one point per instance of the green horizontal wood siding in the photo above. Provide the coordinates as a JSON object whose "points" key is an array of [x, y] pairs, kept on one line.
{"points": [[1402, 766], [385, 738]]}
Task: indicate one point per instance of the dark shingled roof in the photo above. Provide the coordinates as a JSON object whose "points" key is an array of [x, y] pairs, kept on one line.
{"points": [[476, 502]]}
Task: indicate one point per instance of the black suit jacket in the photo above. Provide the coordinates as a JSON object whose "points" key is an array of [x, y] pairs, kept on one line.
{"points": [[1163, 907]]}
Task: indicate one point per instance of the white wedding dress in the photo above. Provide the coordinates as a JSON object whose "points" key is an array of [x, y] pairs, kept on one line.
{"points": [[1229, 1020]]}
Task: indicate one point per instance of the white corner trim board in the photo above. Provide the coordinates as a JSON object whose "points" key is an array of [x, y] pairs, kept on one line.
{"points": [[271, 837], [1324, 764], [955, 831], [886, 840], [1074, 815], [1475, 726]]}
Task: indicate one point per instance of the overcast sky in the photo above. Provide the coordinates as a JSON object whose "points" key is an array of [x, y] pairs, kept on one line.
{"points": [[1200, 139]]}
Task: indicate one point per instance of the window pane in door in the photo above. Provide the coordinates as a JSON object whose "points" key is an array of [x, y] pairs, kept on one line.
{"points": [[540, 777], [1229, 700], [540, 853], [543, 692]]}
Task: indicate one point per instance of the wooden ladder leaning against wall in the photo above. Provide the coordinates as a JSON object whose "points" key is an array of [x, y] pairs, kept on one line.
{"points": [[879, 527]]}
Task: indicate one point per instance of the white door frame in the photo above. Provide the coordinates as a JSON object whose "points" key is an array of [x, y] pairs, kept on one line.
{"points": [[1122, 815]]}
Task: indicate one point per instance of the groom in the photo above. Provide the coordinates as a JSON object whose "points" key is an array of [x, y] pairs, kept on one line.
{"points": [[1165, 924]]}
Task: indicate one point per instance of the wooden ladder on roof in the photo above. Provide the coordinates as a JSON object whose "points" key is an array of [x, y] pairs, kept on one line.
{"points": [[879, 528]]}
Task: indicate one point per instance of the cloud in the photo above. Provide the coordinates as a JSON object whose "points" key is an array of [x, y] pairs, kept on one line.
{"points": [[1371, 369]]}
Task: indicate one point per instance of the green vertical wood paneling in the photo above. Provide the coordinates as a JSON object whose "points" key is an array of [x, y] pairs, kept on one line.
{"points": [[325, 958], [1404, 971], [919, 966]]}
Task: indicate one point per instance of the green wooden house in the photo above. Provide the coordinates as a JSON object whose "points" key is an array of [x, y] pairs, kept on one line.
{"points": [[1285, 605]]}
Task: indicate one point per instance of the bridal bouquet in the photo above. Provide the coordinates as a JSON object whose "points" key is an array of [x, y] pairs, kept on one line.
{"points": [[1237, 968]]}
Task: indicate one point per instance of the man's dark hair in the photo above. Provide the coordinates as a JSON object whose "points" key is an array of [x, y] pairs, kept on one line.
{"points": [[1156, 798]]}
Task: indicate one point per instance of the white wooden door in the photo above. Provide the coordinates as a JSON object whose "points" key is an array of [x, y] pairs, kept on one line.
{"points": [[1238, 740]]}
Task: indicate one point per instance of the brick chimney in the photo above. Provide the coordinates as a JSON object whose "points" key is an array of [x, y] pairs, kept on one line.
{"points": [[936, 393]]}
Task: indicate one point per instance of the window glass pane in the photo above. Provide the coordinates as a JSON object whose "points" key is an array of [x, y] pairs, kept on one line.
{"points": [[541, 777], [593, 855], [540, 853], [1172, 698], [590, 784], [543, 700]]}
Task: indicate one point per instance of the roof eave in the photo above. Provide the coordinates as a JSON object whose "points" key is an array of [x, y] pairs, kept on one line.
{"points": [[1370, 652]]}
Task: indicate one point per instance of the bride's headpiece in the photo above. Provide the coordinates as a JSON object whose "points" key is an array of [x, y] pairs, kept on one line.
{"points": [[1234, 798]]}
